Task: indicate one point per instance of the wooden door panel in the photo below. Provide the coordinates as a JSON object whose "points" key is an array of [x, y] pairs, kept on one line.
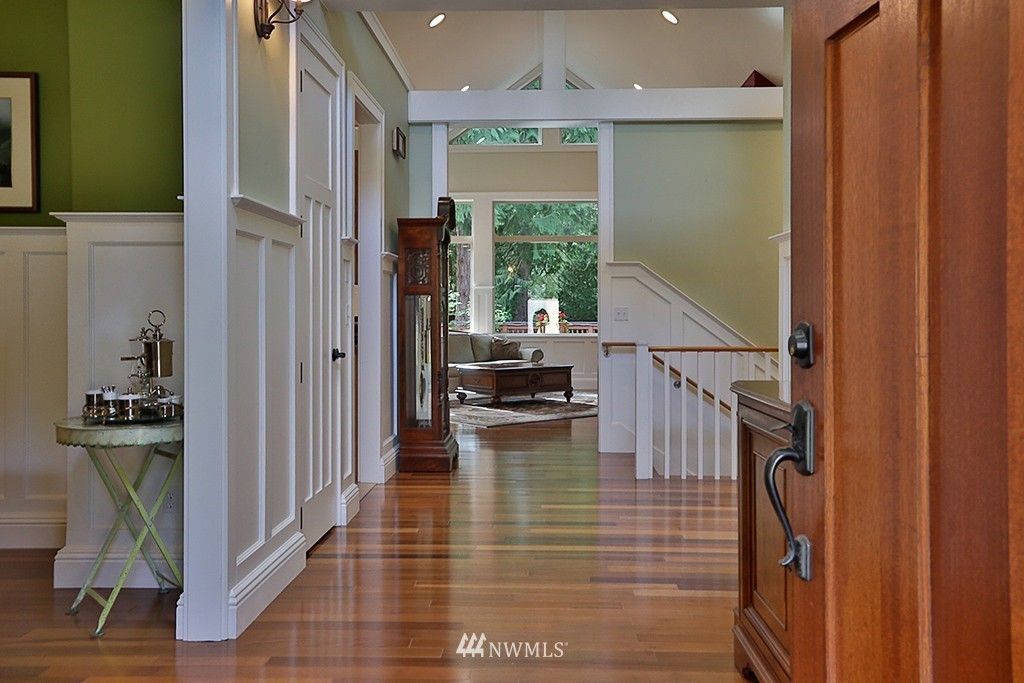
{"points": [[769, 543]]}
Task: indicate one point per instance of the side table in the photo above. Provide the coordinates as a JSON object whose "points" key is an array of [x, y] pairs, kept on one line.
{"points": [[100, 441]]}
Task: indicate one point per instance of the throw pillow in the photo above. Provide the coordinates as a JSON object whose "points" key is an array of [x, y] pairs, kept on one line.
{"points": [[504, 349]]}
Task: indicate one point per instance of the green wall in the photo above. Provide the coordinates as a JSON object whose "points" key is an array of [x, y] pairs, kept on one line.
{"points": [[34, 37], [697, 202], [421, 170], [109, 102]]}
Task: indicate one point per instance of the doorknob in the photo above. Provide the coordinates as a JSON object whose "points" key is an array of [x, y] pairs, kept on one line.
{"points": [[336, 354], [801, 454], [801, 344]]}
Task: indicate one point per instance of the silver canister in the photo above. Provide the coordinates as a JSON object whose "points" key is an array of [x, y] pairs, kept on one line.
{"points": [[129, 406], [158, 355]]}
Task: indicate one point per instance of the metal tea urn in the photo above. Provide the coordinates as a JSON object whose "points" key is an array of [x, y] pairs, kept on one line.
{"points": [[157, 352]]}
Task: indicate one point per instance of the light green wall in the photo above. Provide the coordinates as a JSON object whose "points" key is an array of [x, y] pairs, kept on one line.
{"points": [[263, 113], [421, 171], [109, 102], [365, 58], [697, 202]]}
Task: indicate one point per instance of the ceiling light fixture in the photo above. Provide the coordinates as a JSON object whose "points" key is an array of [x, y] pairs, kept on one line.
{"points": [[267, 20], [436, 21], [464, 88], [669, 17], [637, 86]]}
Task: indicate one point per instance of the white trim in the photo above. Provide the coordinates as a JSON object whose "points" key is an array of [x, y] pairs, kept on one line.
{"points": [[209, 125], [254, 593], [389, 458], [373, 309], [384, 40], [246, 203], [560, 107], [605, 254], [116, 217], [32, 530], [71, 567], [349, 504], [439, 162]]}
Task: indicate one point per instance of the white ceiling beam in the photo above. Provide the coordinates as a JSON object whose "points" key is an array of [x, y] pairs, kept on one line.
{"points": [[553, 66], [478, 107], [384, 40], [466, 5]]}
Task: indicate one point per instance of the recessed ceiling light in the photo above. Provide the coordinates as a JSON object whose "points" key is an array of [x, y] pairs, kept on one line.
{"points": [[436, 21], [465, 88], [637, 86], [669, 17]]}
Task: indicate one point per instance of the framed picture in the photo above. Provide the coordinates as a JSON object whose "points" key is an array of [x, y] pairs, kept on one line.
{"points": [[19, 143], [400, 145]]}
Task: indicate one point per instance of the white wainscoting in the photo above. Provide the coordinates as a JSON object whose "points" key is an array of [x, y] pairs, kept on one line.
{"points": [[119, 267], [658, 314], [579, 350], [267, 548], [33, 386]]}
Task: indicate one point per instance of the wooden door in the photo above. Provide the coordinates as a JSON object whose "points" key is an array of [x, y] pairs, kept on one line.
{"points": [[321, 432], [899, 261]]}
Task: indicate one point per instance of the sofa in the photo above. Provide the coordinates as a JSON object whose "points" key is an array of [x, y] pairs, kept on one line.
{"points": [[473, 347]]}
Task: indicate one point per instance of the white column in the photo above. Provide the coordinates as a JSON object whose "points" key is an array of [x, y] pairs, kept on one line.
{"points": [[483, 264], [208, 105], [553, 73], [644, 419]]}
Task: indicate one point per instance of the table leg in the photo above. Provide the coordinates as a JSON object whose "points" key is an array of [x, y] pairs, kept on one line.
{"points": [[122, 517], [150, 528]]}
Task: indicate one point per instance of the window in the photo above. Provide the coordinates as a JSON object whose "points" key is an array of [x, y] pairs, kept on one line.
{"points": [[460, 270], [497, 136], [582, 135], [545, 267]]}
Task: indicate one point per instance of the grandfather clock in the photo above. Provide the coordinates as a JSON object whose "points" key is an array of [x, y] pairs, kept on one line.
{"points": [[425, 437]]}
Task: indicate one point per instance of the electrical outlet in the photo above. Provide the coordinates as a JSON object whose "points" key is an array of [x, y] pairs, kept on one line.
{"points": [[621, 314], [169, 502]]}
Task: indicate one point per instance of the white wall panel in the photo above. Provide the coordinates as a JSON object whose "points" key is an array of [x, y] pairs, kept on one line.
{"points": [[119, 267], [33, 381]]}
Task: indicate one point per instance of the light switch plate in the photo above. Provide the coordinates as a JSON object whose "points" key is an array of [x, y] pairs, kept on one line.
{"points": [[621, 314]]}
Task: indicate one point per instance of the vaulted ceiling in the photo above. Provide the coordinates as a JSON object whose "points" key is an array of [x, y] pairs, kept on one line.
{"points": [[606, 48]]}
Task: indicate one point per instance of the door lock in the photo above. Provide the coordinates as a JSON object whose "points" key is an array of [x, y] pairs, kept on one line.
{"points": [[801, 454], [801, 344]]}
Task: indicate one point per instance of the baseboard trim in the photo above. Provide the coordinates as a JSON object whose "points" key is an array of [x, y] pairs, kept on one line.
{"points": [[21, 531], [350, 498], [72, 565], [254, 593], [389, 458]]}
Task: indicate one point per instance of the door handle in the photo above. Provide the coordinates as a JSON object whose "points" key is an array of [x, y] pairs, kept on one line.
{"points": [[801, 454], [336, 354]]}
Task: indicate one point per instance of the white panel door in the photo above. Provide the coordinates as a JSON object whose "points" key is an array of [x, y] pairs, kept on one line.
{"points": [[320, 429]]}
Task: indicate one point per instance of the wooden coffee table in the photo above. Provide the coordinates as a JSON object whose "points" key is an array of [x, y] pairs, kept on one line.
{"points": [[514, 378]]}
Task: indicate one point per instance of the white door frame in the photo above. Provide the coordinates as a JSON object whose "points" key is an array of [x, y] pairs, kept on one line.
{"points": [[376, 451]]}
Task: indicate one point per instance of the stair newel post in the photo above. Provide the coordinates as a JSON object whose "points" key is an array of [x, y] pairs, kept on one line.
{"points": [[644, 447]]}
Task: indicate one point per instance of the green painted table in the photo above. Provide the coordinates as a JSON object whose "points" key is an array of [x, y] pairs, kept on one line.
{"points": [[100, 441]]}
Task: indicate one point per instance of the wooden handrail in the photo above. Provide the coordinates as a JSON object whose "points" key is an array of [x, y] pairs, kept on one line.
{"points": [[609, 345]]}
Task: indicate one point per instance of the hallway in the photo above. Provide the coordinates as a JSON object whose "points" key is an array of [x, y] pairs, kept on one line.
{"points": [[536, 539]]}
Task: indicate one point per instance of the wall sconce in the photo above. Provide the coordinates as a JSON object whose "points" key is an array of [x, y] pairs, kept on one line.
{"points": [[267, 20]]}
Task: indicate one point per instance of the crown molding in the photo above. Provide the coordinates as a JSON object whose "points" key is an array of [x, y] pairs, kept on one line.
{"points": [[377, 28]]}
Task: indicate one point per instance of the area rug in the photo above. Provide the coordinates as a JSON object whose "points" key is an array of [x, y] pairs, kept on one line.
{"points": [[481, 411]]}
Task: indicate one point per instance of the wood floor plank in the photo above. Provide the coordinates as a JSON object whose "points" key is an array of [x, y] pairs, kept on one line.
{"points": [[534, 538]]}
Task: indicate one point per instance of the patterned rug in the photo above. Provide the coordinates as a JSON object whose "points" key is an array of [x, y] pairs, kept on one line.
{"points": [[480, 411]]}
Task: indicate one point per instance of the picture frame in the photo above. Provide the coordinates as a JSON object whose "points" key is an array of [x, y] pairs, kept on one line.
{"points": [[399, 143], [19, 142]]}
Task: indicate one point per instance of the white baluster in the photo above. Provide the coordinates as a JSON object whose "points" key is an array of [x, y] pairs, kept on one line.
{"points": [[644, 447], [734, 415], [700, 420], [684, 397], [717, 416], [667, 398]]}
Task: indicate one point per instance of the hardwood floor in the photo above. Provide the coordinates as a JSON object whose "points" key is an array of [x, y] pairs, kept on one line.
{"points": [[534, 539]]}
